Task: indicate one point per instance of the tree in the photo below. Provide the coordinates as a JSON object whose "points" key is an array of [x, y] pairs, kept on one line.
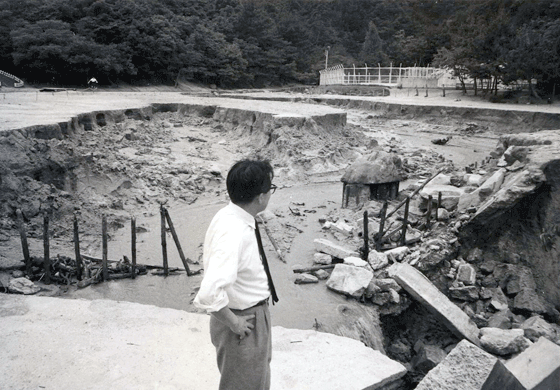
{"points": [[372, 49]]}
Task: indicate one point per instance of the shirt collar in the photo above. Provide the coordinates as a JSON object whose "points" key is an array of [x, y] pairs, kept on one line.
{"points": [[242, 214]]}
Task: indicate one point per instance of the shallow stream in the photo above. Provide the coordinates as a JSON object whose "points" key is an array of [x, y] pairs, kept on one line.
{"points": [[299, 306]]}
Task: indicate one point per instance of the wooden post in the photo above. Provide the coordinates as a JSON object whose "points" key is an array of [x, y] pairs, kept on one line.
{"points": [[24, 246], [429, 215], [405, 221], [381, 226], [438, 205], [366, 235], [105, 250], [46, 259], [177, 243], [163, 241], [133, 247], [77, 249], [379, 73], [391, 73]]}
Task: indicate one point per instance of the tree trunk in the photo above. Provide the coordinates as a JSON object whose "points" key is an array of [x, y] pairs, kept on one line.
{"points": [[475, 87]]}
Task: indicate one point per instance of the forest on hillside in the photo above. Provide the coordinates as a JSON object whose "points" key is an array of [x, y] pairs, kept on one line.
{"points": [[244, 43]]}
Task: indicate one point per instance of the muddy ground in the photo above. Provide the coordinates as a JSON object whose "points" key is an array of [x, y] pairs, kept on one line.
{"points": [[141, 158]]}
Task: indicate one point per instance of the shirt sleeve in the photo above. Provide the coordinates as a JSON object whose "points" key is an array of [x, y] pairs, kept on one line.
{"points": [[221, 261]]}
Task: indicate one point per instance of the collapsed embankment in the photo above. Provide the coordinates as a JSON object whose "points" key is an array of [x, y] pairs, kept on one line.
{"points": [[122, 160]]}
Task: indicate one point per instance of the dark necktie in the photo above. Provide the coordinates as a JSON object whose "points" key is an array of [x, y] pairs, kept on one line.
{"points": [[265, 264]]}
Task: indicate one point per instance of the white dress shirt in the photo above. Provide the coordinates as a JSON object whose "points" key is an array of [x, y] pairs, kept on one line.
{"points": [[234, 275]]}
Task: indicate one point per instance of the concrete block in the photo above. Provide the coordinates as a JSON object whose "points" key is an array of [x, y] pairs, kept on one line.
{"points": [[423, 290], [538, 367], [466, 367]]}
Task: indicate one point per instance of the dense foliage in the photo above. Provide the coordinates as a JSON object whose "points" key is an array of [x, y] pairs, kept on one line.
{"points": [[274, 42]]}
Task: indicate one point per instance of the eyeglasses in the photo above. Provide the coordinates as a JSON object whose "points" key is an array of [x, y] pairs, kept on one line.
{"points": [[272, 188]]}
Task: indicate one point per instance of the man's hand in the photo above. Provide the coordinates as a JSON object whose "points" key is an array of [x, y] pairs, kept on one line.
{"points": [[239, 325], [243, 326]]}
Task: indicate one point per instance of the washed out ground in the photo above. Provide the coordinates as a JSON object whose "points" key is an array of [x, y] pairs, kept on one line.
{"points": [[128, 169]]}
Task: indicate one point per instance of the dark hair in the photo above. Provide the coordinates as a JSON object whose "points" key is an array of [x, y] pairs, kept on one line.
{"points": [[247, 179]]}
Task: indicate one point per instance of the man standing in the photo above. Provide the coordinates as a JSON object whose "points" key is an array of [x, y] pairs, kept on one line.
{"points": [[237, 285]]}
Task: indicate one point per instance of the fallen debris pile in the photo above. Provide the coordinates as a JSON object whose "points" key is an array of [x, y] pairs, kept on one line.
{"points": [[483, 291]]}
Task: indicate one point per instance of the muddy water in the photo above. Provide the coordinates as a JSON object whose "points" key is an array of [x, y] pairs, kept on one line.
{"points": [[299, 306]]}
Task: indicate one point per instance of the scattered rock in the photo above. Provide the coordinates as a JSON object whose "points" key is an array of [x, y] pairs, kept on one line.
{"points": [[349, 280], [355, 261], [306, 279], [322, 258], [503, 342], [377, 260], [466, 274], [397, 254], [536, 327], [22, 286]]}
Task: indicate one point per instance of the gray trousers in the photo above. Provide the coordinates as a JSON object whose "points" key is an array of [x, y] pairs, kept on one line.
{"points": [[244, 364]]}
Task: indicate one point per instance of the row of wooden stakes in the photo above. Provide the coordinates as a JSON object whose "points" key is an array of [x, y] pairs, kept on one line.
{"points": [[133, 267]]}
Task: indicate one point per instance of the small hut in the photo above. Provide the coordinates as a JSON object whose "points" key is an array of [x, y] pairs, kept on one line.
{"points": [[375, 176]]}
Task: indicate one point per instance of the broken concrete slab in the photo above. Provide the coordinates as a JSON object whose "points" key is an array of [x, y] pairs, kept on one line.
{"points": [[538, 367], [298, 351], [423, 290], [330, 248], [121, 350], [349, 280], [466, 367]]}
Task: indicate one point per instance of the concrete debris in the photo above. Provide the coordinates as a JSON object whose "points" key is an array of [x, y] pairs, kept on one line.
{"points": [[449, 196], [355, 261], [328, 247], [538, 367], [466, 367], [499, 300], [420, 287], [397, 254], [503, 342], [321, 274], [349, 280], [466, 274], [322, 258], [502, 378], [377, 260], [427, 357], [536, 327]]}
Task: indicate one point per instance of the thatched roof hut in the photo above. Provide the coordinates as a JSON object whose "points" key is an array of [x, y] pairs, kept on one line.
{"points": [[373, 176]]}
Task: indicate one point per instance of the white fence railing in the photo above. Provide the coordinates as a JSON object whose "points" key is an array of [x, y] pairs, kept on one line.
{"points": [[18, 83], [390, 76]]}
